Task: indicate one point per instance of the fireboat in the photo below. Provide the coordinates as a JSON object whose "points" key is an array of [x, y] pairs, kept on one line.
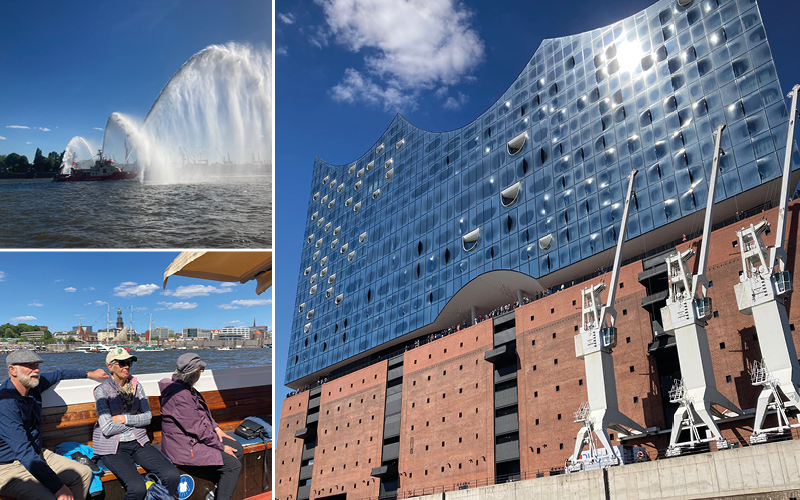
{"points": [[103, 169]]}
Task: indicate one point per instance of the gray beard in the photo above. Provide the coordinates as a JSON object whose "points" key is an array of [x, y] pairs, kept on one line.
{"points": [[27, 381]]}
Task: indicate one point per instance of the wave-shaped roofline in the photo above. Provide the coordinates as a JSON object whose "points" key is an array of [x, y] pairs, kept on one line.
{"points": [[318, 159]]}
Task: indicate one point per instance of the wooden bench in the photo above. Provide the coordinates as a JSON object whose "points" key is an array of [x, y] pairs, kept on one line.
{"points": [[75, 422]]}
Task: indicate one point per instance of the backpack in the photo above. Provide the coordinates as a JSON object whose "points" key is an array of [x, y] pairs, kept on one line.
{"points": [[156, 491]]}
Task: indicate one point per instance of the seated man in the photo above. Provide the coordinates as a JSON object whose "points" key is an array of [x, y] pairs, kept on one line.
{"points": [[119, 435], [28, 471], [189, 435]]}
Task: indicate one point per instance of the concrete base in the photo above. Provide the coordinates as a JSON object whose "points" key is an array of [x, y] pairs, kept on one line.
{"points": [[769, 471]]}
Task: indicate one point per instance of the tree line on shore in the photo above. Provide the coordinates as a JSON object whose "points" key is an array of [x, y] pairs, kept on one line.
{"points": [[14, 163], [9, 331]]}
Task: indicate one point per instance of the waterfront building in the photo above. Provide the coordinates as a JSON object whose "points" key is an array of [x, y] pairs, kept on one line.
{"points": [[439, 289], [80, 327], [234, 333]]}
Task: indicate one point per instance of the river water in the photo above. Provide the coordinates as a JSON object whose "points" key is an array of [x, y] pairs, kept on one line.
{"points": [[223, 213], [158, 361]]}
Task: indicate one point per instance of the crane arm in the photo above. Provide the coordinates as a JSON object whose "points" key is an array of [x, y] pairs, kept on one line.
{"points": [[780, 234], [700, 278], [612, 286]]}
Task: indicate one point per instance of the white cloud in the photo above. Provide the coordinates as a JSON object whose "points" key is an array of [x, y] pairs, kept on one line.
{"points": [[131, 289], [282, 51], [178, 305], [2, 138], [453, 103], [189, 291], [44, 129], [2, 276], [96, 303], [88, 289], [228, 283], [236, 304], [17, 126], [287, 18], [98, 128], [24, 318], [409, 46], [34, 304], [355, 87], [29, 142], [70, 289]]}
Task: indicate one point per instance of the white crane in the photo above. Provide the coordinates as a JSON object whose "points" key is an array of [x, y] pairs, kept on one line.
{"points": [[597, 337], [762, 293], [686, 314]]}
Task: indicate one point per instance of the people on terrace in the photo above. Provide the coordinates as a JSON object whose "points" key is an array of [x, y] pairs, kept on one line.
{"points": [[27, 470], [119, 435], [189, 435]]}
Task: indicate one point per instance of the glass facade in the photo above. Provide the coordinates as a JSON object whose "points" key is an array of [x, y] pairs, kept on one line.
{"points": [[536, 183]]}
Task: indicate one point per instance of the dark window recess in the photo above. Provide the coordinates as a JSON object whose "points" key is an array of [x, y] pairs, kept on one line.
{"points": [[722, 345], [728, 379]]}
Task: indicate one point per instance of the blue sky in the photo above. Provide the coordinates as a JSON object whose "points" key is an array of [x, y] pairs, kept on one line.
{"points": [[59, 289], [69, 65], [345, 67]]}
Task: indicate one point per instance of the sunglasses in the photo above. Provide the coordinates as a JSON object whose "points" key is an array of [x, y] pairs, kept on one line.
{"points": [[124, 362]]}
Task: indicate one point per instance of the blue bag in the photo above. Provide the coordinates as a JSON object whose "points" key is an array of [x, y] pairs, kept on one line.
{"points": [[69, 448], [156, 491]]}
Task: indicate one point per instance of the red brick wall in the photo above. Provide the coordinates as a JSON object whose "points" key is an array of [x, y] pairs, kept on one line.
{"points": [[350, 434], [289, 449], [444, 383]]}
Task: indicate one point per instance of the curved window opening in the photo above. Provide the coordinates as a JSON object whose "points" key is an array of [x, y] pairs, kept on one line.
{"points": [[315, 338], [509, 195], [310, 314], [310, 238], [316, 195], [522, 111], [323, 273], [375, 194], [302, 307], [328, 293], [514, 146], [360, 173], [379, 149], [358, 185], [338, 299], [334, 243], [351, 256], [339, 189], [489, 132], [336, 328], [524, 166], [323, 261], [343, 249], [348, 202], [324, 346], [316, 255], [542, 155], [567, 233], [320, 221], [446, 255], [362, 237], [388, 163], [527, 236], [357, 207], [418, 270], [547, 260], [307, 271], [306, 343], [419, 248], [314, 216], [330, 205], [447, 160], [400, 143], [332, 184], [370, 165], [328, 226], [369, 294], [313, 290], [325, 180], [351, 169], [469, 241], [331, 278], [570, 63], [546, 241], [337, 230], [430, 298], [389, 174], [553, 89], [307, 328], [491, 252], [319, 243], [510, 223]]}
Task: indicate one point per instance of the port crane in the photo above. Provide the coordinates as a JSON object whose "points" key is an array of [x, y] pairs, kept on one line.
{"points": [[762, 293], [594, 343], [686, 315]]}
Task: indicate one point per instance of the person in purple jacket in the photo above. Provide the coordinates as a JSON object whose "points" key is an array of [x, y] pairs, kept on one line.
{"points": [[189, 435]]}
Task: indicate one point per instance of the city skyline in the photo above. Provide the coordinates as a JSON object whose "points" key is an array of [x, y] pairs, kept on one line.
{"points": [[83, 285]]}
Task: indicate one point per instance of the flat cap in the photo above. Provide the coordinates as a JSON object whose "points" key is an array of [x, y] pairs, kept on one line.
{"points": [[189, 362], [22, 356]]}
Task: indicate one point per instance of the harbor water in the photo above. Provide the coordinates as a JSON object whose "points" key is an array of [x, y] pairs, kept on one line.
{"points": [[156, 361], [224, 212]]}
